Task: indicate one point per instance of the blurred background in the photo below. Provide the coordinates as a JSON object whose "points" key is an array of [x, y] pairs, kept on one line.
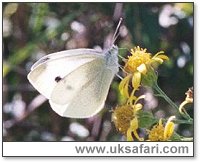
{"points": [[32, 30]]}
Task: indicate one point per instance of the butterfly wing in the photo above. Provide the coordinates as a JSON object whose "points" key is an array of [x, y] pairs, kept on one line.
{"points": [[46, 72], [66, 53], [88, 95]]}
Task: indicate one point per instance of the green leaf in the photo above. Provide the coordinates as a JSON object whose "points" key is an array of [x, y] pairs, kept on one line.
{"points": [[175, 137], [146, 119]]}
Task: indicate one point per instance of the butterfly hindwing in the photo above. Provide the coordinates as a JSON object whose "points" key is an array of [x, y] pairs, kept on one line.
{"points": [[73, 83], [91, 97]]}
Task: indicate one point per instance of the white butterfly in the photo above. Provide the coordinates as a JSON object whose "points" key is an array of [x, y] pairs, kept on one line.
{"points": [[76, 82]]}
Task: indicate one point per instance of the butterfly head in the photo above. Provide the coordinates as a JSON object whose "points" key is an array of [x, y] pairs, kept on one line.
{"points": [[111, 57]]}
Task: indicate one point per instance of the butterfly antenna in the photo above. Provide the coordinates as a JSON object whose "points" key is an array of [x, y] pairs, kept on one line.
{"points": [[121, 78], [116, 34]]}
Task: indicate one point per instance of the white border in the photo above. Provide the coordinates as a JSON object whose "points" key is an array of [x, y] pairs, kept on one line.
{"points": [[117, 149], [197, 78]]}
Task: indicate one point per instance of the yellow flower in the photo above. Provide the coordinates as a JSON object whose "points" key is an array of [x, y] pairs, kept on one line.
{"points": [[126, 121], [140, 60], [159, 132], [121, 116], [138, 64]]}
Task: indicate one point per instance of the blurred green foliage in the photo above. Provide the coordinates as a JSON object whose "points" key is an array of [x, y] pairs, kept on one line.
{"points": [[31, 30]]}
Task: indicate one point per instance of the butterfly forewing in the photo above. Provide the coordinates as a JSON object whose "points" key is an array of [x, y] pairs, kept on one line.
{"points": [[46, 73], [66, 54]]}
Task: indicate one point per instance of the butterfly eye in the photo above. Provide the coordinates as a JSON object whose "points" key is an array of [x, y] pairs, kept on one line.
{"points": [[114, 47], [57, 79]]}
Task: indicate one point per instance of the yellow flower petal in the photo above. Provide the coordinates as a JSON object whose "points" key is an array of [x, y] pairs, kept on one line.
{"points": [[131, 98], [129, 135], [163, 57], [188, 99], [160, 122], [137, 107], [159, 57], [181, 107], [169, 128], [123, 86], [140, 97], [159, 53], [134, 124], [134, 127], [158, 60], [142, 68], [136, 79]]}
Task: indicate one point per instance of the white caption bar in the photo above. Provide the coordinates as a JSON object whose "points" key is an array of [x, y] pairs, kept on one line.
{"points": [[98, 149]]}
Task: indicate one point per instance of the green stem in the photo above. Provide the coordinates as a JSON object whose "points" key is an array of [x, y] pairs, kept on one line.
{"points": [[162, 94], [187, 139], [180, 121]]}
